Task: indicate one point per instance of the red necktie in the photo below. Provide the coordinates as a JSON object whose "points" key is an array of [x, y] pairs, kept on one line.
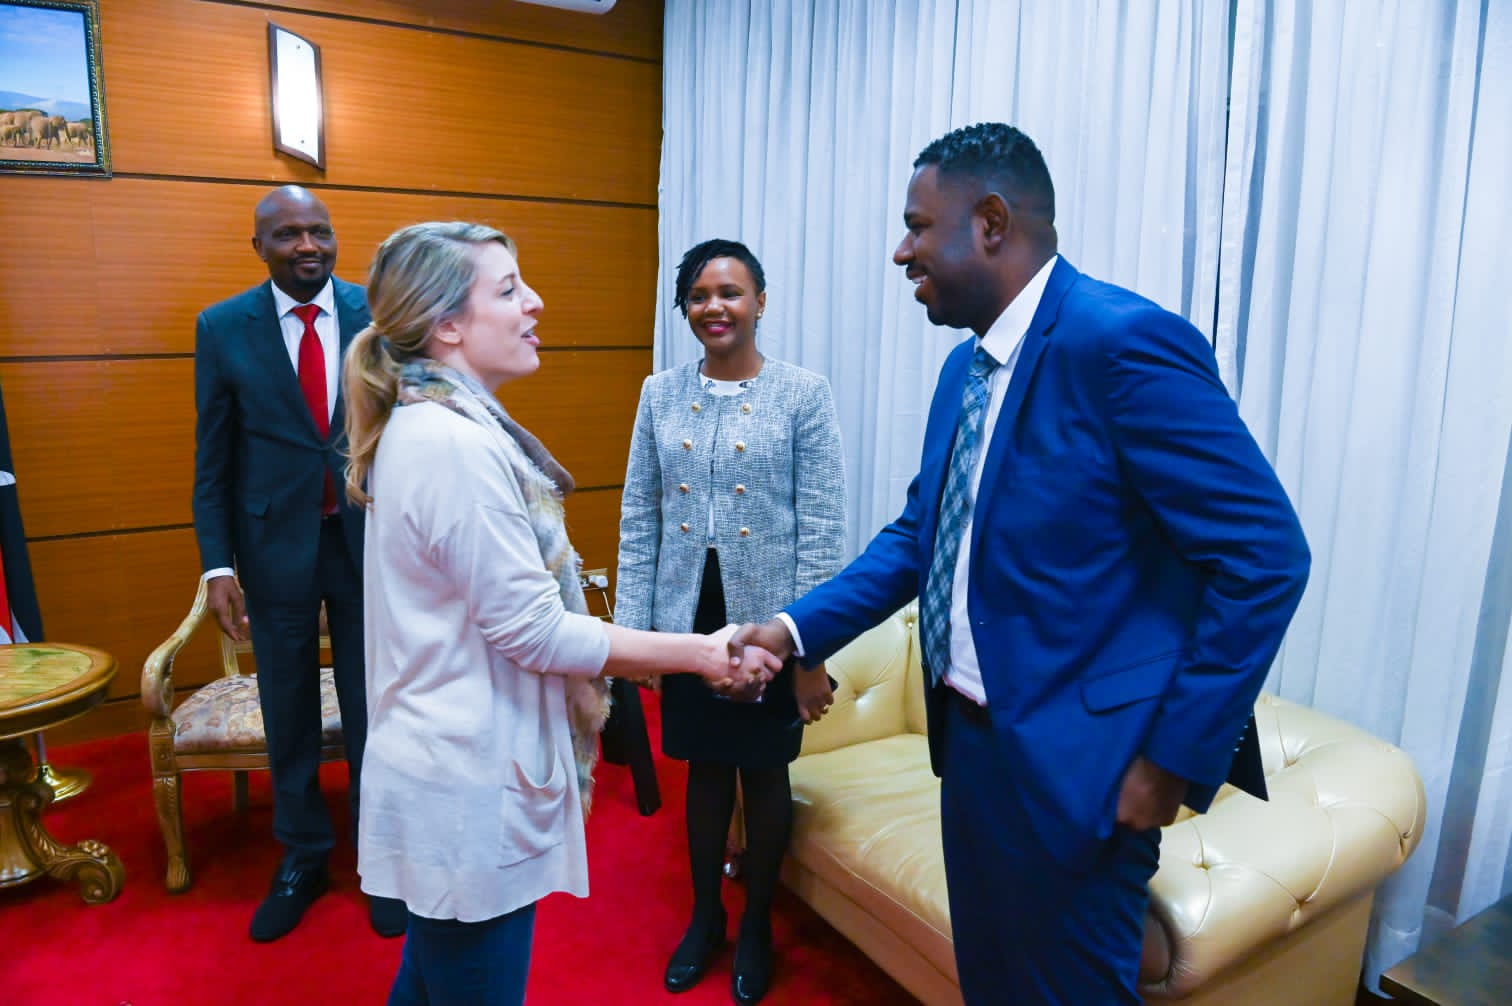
{"points": [[312, 381]]}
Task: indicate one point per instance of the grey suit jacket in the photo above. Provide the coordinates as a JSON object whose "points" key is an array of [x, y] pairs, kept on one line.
{"points": [[769, 459]]}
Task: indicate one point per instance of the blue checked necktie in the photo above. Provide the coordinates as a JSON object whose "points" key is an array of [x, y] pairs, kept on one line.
{"points": [[955, 511]]}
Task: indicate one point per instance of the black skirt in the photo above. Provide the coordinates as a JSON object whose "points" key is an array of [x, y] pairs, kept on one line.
{"points": [[700, 725]]}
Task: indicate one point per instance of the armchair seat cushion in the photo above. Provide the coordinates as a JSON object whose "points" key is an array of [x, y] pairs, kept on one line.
{"points": [[226, 715]]}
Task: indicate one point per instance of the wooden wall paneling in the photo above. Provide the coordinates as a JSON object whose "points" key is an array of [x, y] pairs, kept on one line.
{"points": [[124, 593], [111, 718], [582, 406], [47, 307], [160, 252], [101, 445], [404, 109], [165, 251], [593, 525], [633, 28]]}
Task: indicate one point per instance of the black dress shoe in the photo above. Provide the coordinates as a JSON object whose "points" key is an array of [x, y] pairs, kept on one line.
{"points": [[295, 888], [694, 954], [387, 916], [753, 967]]}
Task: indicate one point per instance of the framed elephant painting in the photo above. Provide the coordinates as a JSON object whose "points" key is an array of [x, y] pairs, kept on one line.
{"points": [[52, 97]]}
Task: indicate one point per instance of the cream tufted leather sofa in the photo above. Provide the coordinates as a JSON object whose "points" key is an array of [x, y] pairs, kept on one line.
{"points": [[1254, 902]]}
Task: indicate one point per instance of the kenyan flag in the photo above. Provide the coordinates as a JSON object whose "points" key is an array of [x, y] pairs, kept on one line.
{"points": [[20, 618]]}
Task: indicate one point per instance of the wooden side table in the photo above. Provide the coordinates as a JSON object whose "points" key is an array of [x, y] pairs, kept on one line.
{"points": [[1470, 966], [41, 686]]}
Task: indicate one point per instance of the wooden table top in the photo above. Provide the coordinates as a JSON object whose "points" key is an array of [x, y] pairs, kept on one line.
{"points": [[1469, 966], [43, 684]]}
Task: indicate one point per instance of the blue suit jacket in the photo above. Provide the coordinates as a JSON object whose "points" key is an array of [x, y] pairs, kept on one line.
{"points": [[1134, 561], [259, 463]]}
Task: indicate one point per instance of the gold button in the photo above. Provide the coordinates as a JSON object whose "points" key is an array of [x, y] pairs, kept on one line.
{"points": [[697, 407], [740, 490], [687, 445], [740, 445], [745, 532], [683, 488], [746, 408], [685, 527]]}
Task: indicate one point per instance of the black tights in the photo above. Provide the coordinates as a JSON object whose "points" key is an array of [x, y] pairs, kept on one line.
{"points": [[768, 805]]}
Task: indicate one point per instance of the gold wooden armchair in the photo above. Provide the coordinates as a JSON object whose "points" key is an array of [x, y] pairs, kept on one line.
{"points": [[218, 727]]}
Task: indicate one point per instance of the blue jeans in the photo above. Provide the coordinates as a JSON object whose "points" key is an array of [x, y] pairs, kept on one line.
{"points": [[451, 963]]}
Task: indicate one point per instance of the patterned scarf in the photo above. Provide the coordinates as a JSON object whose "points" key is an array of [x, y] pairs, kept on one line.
{"points": [[544, 483]]}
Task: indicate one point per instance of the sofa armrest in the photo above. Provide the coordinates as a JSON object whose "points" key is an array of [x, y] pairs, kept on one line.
{"points": [[1345, 811]]}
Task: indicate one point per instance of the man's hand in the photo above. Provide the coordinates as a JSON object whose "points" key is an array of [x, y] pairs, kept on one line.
{"points": [[224, 597], [1150, 797], [738, 673], [770, 638], [812, 688]]}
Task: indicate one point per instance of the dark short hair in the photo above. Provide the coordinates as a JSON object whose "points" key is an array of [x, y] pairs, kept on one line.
{"points": [[700, 255], [997, 153]]}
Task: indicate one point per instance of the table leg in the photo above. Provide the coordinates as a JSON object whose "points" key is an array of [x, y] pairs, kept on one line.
{"points": [[26, 848]]}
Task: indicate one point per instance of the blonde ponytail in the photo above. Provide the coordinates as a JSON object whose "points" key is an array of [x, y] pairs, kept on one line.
{"points": [[370, 386]]}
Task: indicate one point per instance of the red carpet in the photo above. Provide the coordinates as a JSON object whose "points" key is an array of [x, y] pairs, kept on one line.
{"points": [[148, 948]]}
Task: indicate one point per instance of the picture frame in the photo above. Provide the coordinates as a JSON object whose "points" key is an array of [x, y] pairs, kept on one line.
{"points": [[52, 91]]}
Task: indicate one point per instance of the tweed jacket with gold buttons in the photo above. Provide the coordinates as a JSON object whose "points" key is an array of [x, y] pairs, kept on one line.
{"points": [[769, 459]]}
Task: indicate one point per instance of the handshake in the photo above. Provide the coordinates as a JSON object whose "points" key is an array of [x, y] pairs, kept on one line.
{"points": [[754, 654]]}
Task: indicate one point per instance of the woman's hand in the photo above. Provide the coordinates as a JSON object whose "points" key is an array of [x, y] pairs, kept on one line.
{"points": [[812, 689]]}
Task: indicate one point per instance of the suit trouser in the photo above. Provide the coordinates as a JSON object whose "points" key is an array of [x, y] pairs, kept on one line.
{"points": [[1030, 931], [286, 644]]}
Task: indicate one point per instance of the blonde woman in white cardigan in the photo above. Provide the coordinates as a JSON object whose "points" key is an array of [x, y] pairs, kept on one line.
{"points": [[484, 671]]}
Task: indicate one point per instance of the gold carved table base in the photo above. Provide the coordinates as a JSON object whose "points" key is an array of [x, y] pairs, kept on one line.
{"points": [[26, 849]]}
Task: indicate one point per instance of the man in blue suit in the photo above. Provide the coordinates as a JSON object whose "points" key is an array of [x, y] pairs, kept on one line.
{"points": [[268, 503], [1105, 565]]}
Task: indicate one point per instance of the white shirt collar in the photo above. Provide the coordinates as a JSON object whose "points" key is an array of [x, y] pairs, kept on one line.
{"points": [[325, 299], [1003, 338]]}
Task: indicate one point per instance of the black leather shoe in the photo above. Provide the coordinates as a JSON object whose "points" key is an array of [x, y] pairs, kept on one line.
{"points": [[694, 954], [295, 888], [753, 968], [387, 916]]}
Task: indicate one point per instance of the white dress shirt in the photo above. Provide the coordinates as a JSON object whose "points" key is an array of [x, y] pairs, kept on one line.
{"points": [[327, 329], [1003, 342]]}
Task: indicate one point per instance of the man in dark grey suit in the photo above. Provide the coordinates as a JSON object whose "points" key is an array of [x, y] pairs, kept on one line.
{"points": [[268, 504]]}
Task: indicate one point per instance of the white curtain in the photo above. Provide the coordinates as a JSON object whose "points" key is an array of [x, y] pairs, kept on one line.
{"points": [[1322, 188], [793, 126], [1362, 291]]}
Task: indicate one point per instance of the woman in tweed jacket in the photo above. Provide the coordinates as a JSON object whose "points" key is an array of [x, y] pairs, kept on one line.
{"points": [[733, 507]]}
